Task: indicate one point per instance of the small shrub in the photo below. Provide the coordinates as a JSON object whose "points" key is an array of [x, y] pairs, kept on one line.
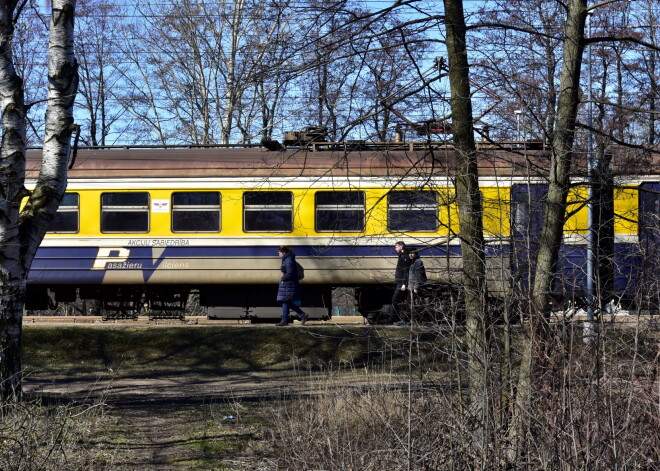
{"points": [[38, 437]]}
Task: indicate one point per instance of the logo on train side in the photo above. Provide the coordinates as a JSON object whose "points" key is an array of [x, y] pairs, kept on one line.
{"points": [[113, 258], [145, 259]]}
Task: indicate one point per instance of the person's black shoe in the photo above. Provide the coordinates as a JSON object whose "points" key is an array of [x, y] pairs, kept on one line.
{"points": [[303, 318], [282, 324]]}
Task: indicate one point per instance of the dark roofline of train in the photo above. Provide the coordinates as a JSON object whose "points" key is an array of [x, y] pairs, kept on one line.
{"points": [[323, 159], [323, 146]]}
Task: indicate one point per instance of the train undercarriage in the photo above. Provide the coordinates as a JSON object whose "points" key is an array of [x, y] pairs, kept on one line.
{"points": [[255, 303]]}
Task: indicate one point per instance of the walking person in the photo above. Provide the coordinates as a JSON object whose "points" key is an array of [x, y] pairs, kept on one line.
{"points": [[400, 278], [416, 278], [288, 292], [416, 272]]}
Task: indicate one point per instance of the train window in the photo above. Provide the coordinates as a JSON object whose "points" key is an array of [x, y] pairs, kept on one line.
{"points": [[125, 212], [267, 211], [196, 211], [412, 211], [339, 211], [67, 218]]}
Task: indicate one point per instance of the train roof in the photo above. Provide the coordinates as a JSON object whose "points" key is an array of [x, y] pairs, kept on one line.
{"points": [[186, 162]]}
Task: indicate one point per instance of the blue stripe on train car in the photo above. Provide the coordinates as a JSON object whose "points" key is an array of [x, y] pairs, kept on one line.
{"points": [[79, 254], [66, 277], [74, 265], [61, 265], [300, 251], [76, 254]]}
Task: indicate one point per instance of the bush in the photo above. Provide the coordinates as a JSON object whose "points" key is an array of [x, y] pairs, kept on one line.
{"points": [[38, 437], [595, 407]]}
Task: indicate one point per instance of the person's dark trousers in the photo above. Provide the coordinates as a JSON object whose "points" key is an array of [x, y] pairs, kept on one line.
{"points": [[285, 313], [286, 307], [397, 297]]}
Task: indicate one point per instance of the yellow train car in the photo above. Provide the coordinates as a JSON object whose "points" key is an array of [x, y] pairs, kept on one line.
{"points": [[151, 225]]}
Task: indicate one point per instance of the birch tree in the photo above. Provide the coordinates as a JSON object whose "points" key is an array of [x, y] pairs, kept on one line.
{"points": [[21, 231]]}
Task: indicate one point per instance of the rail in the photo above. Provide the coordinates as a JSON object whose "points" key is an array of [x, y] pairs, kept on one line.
{"points": [[188, 320], [649, 320]]}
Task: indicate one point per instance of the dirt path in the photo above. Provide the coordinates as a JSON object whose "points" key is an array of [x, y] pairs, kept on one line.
{"points": [[175, 387], [185, 420], [179, 421], [191, 397]]}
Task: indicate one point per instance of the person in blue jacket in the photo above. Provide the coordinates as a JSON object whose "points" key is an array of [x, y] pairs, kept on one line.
{"points": [[288, 293]]}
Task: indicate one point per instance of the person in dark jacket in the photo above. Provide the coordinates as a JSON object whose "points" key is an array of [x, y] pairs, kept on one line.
{"points": [[416, 273], [400, 277], [416, 280], [288, 292]]}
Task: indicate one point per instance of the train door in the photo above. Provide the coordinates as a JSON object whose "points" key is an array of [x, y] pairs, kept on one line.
{"points": [[649, 216], [526, 223], [649, 241]]}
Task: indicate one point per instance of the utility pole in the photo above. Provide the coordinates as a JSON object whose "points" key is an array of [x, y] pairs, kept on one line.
{"points": [[591, 231]]}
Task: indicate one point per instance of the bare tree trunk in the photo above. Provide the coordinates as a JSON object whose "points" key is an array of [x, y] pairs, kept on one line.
{"points": [[553, 219], [12, 283], [652, 92], [20, 236], [232, 92], [468, 198]]}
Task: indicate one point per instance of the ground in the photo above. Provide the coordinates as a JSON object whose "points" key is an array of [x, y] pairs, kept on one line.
{"points": [[187, 397], [185, 420], [153, 397]]}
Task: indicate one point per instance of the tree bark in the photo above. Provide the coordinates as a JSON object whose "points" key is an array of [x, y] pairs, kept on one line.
{"points": [[468, 197], [553, 219], [20, 235], [12, 175]]}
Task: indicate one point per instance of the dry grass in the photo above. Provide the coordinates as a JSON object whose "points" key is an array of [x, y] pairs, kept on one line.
{"points": [[398, 402], [35, 437], [586, 415]]}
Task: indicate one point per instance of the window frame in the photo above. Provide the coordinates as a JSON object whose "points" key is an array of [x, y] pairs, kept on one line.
{"points": [[196, 208], [132, 209], [67, 209], [391, 207], [340, 207], [263, 207]]}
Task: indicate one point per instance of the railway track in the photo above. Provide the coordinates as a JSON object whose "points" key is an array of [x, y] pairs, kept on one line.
{"points": [[188, 320], [618, 320]]}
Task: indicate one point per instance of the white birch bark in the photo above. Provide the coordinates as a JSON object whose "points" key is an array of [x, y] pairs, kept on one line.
{"points": [[12, 174], [20, 235]]}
